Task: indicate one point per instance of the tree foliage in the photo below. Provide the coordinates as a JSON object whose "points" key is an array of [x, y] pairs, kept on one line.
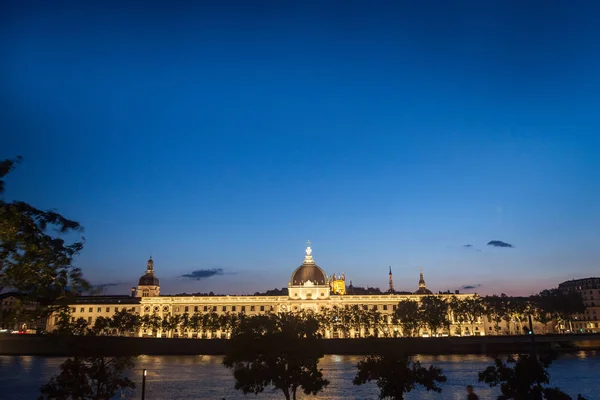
{"points": [[558, 304], [408, 316], [396, 374], [35, 257], [521, 378], [89, 378], [279, 350], [434, 312]]}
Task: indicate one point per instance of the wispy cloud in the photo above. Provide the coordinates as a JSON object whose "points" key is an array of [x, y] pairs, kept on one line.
{"points": [[200, 274], [101, 287], [467, 245], [471, 286], [105, 285], [499, 243]]}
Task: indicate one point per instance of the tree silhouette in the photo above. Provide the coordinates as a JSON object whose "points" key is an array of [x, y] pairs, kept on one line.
{"points": [[126, 322], [434, 311], [33, 260], [522, 378], [396, 374], [559, 305], [153, 322], [276, 350], [89, 378], [408, 317]]}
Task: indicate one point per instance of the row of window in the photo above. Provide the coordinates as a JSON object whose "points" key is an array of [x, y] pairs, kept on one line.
{"points": [[583, 326], [384, 307], [99, 309]]}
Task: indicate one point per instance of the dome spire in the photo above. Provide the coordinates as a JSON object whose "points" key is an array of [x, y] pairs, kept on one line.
{"points": [[150, 266], [308, 259], [421, 280]]}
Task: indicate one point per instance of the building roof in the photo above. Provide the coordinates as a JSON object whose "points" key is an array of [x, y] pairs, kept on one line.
{"points": [[12, 294], [581, 284], [119, 299]]}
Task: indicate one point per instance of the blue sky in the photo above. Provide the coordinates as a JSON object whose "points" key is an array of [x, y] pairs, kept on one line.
{"points": [[387, 133]]}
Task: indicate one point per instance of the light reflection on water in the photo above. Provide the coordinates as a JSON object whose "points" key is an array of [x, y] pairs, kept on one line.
{"points": [[203, 377]]}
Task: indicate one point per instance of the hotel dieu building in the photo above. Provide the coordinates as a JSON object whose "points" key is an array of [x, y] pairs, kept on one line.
{"points": [[308, 289]]}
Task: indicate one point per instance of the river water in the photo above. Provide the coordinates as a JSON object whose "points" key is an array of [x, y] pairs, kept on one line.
{"points": [[203, 377]]}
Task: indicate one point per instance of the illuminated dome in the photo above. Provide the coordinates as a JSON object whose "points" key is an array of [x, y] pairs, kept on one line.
{"points": [[308, 271]]}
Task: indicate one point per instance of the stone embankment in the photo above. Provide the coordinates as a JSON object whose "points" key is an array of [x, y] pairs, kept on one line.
{"points": [[114, 346]]}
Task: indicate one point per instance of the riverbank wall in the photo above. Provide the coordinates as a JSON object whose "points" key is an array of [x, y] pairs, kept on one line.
{"points": [[121, 346]]}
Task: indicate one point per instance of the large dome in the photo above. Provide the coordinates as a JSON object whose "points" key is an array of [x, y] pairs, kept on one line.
{"points": [[308, 271], [149, 280]]}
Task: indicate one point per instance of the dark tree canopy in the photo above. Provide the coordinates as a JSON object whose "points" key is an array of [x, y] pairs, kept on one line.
{"points": [[396, 374], [407, 315], [559, 304], [524, 377], [434, 312], [35, 257], [273, 292], [281, 350], [89, 378]]}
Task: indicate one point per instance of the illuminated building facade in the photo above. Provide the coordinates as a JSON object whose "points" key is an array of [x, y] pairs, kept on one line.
{"points": [[308, 289], [589, 289]]}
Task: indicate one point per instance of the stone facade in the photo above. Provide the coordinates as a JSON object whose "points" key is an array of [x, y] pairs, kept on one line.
{"points": [[309, 289]]}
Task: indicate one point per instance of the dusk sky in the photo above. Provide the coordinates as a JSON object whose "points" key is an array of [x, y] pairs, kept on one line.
{"points": [[225, 136]]}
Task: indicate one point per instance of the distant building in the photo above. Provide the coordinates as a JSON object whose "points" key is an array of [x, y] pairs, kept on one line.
{"points": [[17, 313], [308, 289], [589, 289], [337, 284]]}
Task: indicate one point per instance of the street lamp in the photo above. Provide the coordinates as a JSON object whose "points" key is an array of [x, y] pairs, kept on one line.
{"points": [[144, 385]]}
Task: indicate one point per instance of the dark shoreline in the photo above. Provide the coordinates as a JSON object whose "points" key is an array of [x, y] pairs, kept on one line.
{"points": [[121, 346]]}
